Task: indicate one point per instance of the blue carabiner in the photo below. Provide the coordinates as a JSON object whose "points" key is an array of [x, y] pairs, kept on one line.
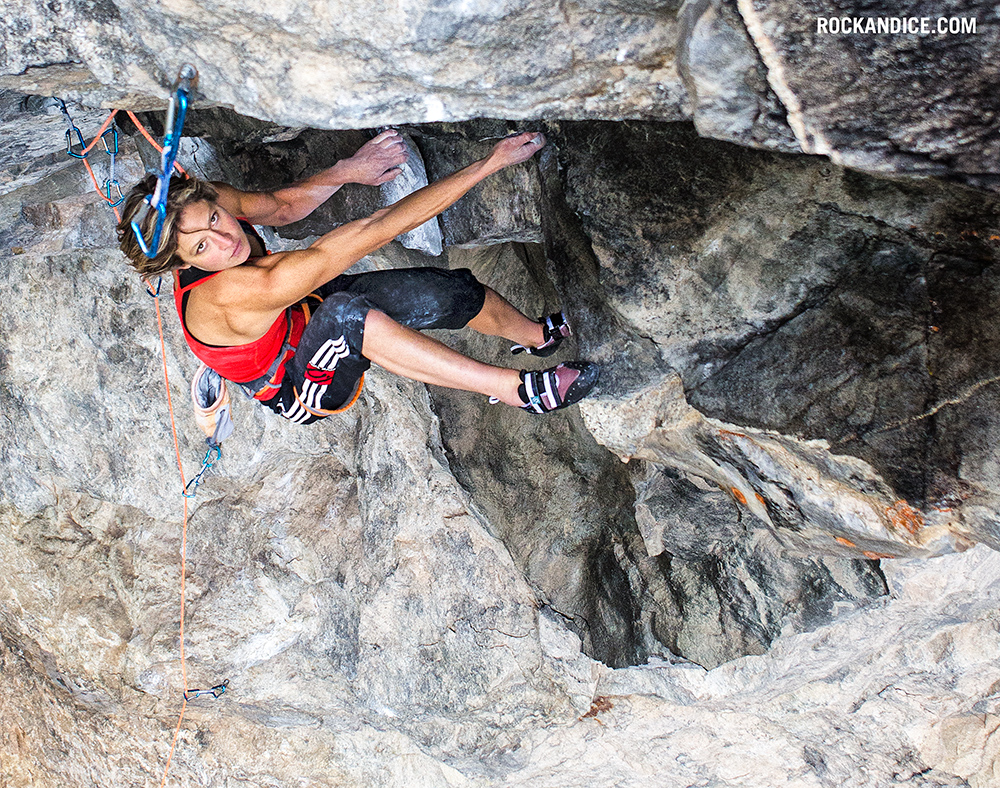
{"points": [[161, 210], [108, 186], [206, 466], [157, 201], [216, 692], [79, 141]]}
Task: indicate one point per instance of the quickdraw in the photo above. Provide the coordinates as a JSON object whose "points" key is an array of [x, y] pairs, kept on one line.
{"points": [[216, 692], [212, 456], [157, 201], [70, 132], [112, 189], [217, 408], [75, 147], [149, 287]]}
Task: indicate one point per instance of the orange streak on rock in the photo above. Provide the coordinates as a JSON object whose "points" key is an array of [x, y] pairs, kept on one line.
{"points": [[902, 517]]}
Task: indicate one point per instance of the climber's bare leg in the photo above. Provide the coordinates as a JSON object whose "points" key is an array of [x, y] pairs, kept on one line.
{"points": [[409, 353], [498, 318]]}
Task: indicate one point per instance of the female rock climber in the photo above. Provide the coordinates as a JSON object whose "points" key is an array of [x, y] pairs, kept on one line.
{"points": [[298, 333]]}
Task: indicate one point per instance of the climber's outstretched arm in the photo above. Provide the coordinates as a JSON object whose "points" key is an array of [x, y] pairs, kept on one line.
{"points": [[296, 274], [416, 208], [377, 161]]}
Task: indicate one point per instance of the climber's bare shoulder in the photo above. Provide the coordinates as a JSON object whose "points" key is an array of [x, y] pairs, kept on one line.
{"points": [[241, 303]]}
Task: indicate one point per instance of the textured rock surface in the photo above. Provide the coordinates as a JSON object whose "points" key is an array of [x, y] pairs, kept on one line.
{"points": [[793, 296], [304, 65], [757, 72], [862, 702], [401, 601], [912, 102]]}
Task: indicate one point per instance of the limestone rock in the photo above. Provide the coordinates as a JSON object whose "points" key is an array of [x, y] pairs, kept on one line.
{"points": [[413, 175], [842, 298], [882, 695], [500, 209], [365, 66], [877, 100], [564, 508], [758, 72], [402, 599], [726, 80]]}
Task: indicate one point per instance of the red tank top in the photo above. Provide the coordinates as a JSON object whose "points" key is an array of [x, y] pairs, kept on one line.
{"points": [[240, 363]]}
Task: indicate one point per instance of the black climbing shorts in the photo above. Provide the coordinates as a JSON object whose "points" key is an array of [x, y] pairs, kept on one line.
{"points": [[324, 375]]}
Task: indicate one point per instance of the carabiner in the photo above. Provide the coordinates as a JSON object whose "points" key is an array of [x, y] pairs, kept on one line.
{"points": [[150, 291], [206, 466], [108, 186], [79, 141], [113, 131], [161, 210], [176, 112], [216, 692]]}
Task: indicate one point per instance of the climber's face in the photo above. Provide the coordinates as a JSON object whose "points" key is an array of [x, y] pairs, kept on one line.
{"points": [[210, 238]]}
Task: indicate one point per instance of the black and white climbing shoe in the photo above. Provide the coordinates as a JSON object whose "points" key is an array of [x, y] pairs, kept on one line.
{"points": [[557, 387], [555, 330]]}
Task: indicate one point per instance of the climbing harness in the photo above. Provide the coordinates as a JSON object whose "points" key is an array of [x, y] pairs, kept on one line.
{"points": [[216, 692], [157, 201]]}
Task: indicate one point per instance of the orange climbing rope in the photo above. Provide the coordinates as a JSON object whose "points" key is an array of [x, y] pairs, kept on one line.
{"points": [[82, 155], [90, 170], [180, 468], [187, 691], [150, 140]]}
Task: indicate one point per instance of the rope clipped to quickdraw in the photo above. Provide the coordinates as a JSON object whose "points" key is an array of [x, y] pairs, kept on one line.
{"points": [[111, 191], [208, 390], [157, 201]]}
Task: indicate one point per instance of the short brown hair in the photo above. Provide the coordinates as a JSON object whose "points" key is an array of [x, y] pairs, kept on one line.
{"points": [[183, 191]]}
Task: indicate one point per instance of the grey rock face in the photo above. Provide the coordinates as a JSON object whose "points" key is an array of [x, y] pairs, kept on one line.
{"points": [[765, 74], [501, 209], [413, 175], [727, 82], [402, 600], [300, 65], [810, 296], [878, 101]]}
